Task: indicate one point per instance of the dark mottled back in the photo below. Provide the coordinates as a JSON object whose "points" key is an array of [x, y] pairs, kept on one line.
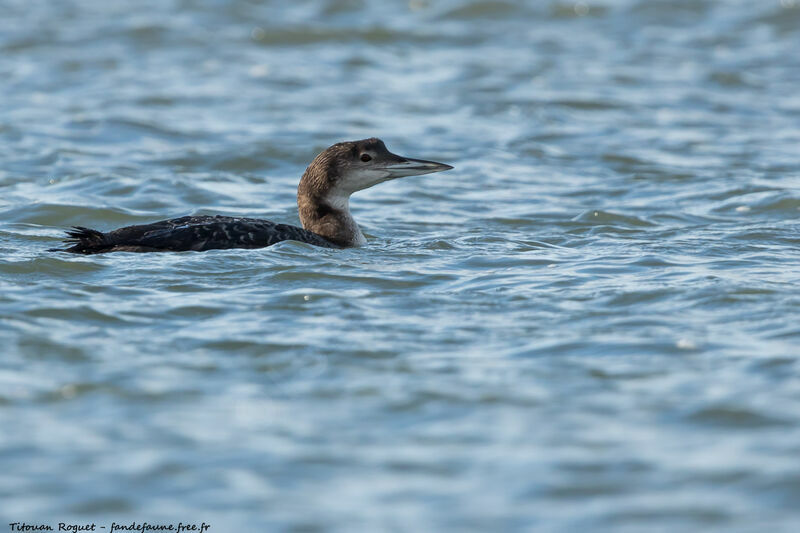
{"points": [[190, 233]]}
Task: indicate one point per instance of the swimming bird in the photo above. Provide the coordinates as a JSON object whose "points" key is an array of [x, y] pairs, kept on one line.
{"points": [[323, 201]]}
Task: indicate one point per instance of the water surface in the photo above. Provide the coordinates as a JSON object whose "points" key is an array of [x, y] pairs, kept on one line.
{"points": [[591, 323]]}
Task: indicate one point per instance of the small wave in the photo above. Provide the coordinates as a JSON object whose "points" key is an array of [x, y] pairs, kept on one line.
{"points": [[606, 218]]}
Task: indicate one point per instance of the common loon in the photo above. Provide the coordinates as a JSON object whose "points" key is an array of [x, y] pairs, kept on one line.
{"points": [[323, 200]]}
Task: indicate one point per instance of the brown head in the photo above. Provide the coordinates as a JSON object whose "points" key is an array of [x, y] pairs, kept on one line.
{"points": [[339, 171]]}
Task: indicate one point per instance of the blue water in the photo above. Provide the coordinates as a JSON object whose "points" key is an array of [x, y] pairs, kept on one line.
{"points": [[591, 323]]}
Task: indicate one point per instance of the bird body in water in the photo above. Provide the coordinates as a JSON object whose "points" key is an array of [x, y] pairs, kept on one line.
{"points": [[323, 201]]}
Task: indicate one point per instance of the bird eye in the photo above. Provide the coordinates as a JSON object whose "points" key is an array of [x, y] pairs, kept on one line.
{"points": [[366, 157]]}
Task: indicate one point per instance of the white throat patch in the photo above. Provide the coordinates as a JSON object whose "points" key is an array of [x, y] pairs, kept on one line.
{"points": [[358, 180], [340, 201]]}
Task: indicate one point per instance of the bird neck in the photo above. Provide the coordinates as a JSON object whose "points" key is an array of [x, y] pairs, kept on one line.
{"points": [[327, 213]]}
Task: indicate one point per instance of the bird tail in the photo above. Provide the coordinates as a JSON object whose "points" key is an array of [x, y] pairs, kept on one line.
{"points": [[84, 241]]}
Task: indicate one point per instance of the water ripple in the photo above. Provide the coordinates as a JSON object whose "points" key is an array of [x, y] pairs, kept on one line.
{"points": [[591, 322]]}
